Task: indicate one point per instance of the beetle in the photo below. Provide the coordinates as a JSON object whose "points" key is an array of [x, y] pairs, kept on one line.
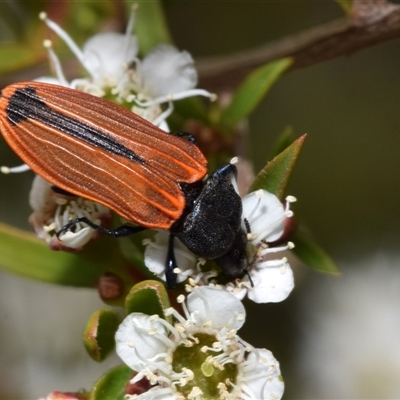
{"points": [[96, 149]]}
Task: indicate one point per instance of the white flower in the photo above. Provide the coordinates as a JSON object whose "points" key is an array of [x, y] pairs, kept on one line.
{"points": [[52, 210], [269, 279], [199, 356], [114, 69]]}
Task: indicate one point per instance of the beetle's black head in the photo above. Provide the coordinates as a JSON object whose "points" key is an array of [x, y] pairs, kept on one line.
{"points": [[235, 261]]}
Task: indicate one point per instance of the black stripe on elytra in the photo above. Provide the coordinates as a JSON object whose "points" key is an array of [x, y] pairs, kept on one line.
{"points": [[26, 104]]}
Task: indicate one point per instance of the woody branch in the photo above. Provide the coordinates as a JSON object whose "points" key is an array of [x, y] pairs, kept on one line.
{"points": [[369, 23]]}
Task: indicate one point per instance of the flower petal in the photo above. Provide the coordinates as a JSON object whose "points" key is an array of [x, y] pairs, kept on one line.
{"points": [[157, 393], [273, 281], [218, 306], [264, 380], [39, 196], [167, 70], [238, 291], [155, 257], [107, 55], [76, 240], [134, 343], [266, 215]]}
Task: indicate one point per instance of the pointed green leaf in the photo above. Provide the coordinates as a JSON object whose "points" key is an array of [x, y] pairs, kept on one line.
{"points": [[346, 5], [252, 90], [150, 25], [275, 176], [22, 253], [148, 297], [285, 139], [111, 386], [99, 333], [313, 255]]}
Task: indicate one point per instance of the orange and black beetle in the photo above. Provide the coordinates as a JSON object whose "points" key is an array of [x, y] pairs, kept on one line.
{"points": [[99, 150]]}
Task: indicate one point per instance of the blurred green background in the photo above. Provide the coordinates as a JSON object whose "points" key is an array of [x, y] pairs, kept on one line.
{"points": [[346, 183]]}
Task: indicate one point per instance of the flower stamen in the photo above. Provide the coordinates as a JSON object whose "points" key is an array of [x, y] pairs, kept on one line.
{"points": [[55, 62], [66, 38], [14, 170]]}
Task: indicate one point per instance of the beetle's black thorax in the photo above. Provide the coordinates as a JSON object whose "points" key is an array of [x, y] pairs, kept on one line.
{"points": [[211, 224]]}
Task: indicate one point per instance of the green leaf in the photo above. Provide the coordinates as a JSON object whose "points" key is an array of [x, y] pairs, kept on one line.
{"points": [[13, 57], [346, 5], [99, 333], [111, 386], [148, 297], [313, 255], [285, 139], [274, 177], [22, 253], [150, 25], [251, 91]]}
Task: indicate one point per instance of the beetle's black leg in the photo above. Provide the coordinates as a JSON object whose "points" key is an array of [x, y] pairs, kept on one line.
{"points": [[248, 230], [248, 275], [170, 265], [189, 136], [123, 230]]}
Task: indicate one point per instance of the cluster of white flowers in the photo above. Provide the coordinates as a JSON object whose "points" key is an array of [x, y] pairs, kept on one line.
{"points": [[200, 355]]}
